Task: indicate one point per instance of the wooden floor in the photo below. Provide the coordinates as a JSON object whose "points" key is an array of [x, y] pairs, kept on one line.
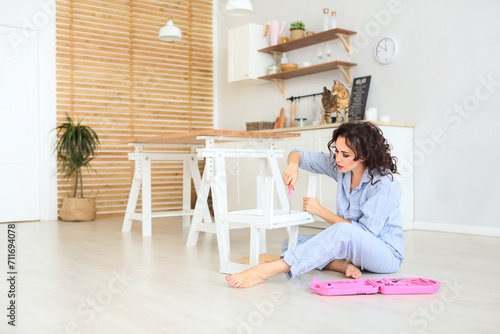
{"points": [[92, 278]]}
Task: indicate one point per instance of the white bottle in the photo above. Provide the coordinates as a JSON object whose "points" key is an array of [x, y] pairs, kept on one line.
{"points": [[326, 20], [333, 21], [284, 59]]}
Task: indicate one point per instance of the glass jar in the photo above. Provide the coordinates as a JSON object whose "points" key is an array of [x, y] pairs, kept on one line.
{"points": [[326, 20], [333, 21], [273, 69]]}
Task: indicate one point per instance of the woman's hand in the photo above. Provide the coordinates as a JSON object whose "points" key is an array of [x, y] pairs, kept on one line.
{"points": [[291, 174], [312, 206]]}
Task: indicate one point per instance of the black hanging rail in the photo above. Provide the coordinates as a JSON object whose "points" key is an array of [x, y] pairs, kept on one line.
{"points": [[292, 98]]}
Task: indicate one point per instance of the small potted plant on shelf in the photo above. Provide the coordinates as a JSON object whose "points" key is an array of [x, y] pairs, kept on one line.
{"points": [[76, 147], [297, 30]]}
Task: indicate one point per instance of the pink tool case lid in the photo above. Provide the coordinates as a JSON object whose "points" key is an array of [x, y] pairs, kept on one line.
{"points": [[386, 286]]}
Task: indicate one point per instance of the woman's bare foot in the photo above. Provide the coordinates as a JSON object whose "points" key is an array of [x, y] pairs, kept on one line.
{"points": [[257, 274], [345, 267], [351, 270]]}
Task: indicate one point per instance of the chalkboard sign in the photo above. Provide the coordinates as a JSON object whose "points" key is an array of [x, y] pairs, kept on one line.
{"points": [[359, 94]]}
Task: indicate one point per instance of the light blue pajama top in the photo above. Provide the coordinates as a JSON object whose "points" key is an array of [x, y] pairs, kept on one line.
{"points": [[374, 208]]}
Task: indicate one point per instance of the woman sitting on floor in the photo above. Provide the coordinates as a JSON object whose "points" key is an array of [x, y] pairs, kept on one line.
{"points": [[366, 232]]}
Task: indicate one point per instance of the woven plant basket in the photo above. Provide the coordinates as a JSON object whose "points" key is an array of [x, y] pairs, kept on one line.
{"points": [[296, 34], [78, 209]]}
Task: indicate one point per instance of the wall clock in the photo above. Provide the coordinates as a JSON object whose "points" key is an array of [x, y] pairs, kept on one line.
{"points": [[386, 50]]}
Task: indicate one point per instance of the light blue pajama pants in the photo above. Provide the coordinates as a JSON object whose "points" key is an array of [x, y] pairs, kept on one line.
{"points": [[340, 241]]}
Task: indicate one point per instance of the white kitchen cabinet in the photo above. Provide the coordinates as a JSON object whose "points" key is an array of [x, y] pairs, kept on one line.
{"points": [[244, 61]]}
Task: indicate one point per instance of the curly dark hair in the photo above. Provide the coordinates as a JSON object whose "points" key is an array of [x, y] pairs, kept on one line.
{"points": [[367, 142]]}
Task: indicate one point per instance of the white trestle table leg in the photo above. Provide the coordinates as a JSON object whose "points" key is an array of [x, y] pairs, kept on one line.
{"points": [[186, 192], [197, 180], [200, 208], [133, 197], [146, 197]]}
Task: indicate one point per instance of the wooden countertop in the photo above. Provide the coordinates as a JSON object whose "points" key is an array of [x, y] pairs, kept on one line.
{"points": [[195, 137], [335, 125]]}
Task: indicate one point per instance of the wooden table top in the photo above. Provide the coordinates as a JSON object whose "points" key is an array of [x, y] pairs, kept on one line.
{"points": [[192, 138]]}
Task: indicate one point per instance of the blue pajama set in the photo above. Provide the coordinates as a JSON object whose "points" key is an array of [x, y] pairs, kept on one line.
{"points": [[373, 241]]}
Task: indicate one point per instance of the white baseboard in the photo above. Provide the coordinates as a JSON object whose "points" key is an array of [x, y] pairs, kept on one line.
{"points": [[407, 226], [453, 228]]}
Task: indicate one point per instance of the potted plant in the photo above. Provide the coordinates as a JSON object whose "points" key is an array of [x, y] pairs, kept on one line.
{"points": [[297, 30], [76, 147]]}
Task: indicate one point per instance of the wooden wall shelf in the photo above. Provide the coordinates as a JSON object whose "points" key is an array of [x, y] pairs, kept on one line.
{"points": [[333, 65], [345, 67], [342, 66], [317, 38]]}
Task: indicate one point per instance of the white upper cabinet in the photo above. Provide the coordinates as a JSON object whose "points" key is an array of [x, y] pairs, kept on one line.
{"points": [[244, 61]]}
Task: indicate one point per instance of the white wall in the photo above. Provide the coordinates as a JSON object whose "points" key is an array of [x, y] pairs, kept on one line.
{"points": [[447, 49], [448, 54]]}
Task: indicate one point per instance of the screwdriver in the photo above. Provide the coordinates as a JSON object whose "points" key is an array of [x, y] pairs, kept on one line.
{"points": [[290, 191]]}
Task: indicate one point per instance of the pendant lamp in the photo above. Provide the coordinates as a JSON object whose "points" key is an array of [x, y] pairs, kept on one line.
{"points": [[239, 7], [170, 33]]}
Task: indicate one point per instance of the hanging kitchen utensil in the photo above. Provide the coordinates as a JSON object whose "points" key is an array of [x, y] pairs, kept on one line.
{"points": [[299, 117], [315, 111], [295, 114]]}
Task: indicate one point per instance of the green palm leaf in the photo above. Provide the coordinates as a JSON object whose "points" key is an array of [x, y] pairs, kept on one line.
{"points": [[76, 147]]}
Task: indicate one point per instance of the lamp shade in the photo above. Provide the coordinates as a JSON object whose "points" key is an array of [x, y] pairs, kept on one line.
{"points": [[170, 32], [239, 7]]}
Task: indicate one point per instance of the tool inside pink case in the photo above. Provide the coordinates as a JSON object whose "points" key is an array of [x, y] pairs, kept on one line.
{"points": [[386, 286]]}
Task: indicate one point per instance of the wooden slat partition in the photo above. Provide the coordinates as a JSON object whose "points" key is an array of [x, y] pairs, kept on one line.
{"points": [[115, 74]]}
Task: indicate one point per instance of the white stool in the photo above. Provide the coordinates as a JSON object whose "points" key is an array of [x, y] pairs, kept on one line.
{"points": [[264, 217]]}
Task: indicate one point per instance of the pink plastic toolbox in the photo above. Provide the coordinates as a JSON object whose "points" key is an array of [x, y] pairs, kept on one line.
{"points": [[386, 286]]}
